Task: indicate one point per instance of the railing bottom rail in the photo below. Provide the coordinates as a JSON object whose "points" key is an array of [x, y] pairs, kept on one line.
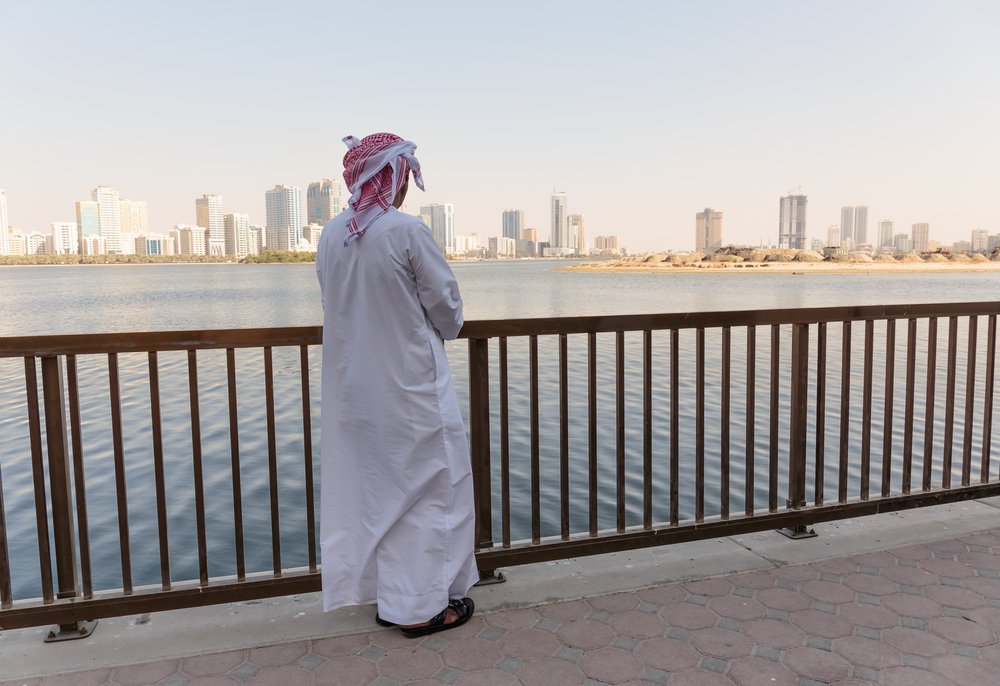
{"points": [[558, 549]]}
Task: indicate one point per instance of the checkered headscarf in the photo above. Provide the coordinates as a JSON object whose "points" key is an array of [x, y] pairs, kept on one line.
{"points": [[376, 168]]}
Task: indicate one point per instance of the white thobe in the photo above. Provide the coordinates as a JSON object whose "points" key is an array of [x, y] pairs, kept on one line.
{"points": [[397, 522]]}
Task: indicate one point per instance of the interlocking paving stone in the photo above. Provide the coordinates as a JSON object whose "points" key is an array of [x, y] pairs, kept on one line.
{"points": [[492, 633], [757, 671], [373, 653], [611, 665], [926, 615], [550, 671], [310, 662], [767, 653], [866, 674], [626, 643], [509, 664], [654, 675], [571, 654], [141, 675], [547, 625], [713, 664], [244, 671], [448, 675]]}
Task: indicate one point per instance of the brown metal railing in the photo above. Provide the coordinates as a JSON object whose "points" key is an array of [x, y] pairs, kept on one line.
{"points": [[759, 491]]}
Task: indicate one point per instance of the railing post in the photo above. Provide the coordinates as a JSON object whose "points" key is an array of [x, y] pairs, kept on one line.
{"points": [[797, 439], [57, 446], [479, 438]]}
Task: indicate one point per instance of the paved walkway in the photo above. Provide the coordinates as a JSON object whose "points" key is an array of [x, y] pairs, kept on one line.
{"points": [[920, 615]]}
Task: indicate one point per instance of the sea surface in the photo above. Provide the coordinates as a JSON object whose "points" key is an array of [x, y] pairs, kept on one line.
{"points": [[101, 299]]}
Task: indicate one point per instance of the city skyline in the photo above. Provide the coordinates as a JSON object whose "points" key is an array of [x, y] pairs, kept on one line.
{"points": [[629, 127]]}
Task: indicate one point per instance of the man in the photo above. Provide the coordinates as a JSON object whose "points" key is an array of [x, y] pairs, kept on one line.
{"points": [[397, 523]]}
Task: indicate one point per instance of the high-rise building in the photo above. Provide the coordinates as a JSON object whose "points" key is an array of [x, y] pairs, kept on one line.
{"points": [[860, 225], [440, 218], [575, 229], [323, 201], [707, 230], [902, 244], [792, 222], [191, 240], [885, 234], [513, 223], [4, 229], [208, 215], [109, 215], [237, 231], [88, 222], [921, 237], [847, 224], [284, 218], [980, 240], [833, 237], [558, 235], [530, 234], [65, 240], [135, 216]]}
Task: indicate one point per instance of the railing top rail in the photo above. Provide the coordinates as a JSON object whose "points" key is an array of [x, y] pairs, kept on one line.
{"points": [[692, 320], [148, 341], [159, 341]]}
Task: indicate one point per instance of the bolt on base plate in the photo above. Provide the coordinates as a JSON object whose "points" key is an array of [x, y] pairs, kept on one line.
{"points": [[70, 632], [493, 576], [797, 532]]}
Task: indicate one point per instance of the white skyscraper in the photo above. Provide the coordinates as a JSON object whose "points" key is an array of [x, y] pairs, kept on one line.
{"points": [[885, 235], [109, 214], [860, 225], [980, 240], [575, 231], [558, 237], [708, 230], [208, 215], [513, 223], [65, 240], [921, 236], [237, 230], [847, 224], [833, 236], [323, 201], [4, 229], [191, 240], [135, 218], [440, 217], [792, 222], [284, 218]]}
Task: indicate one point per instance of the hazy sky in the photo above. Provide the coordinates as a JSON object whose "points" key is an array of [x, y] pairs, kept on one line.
{"points": [[643, 113]]}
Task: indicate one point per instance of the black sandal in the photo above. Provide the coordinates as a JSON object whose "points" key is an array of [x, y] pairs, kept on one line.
{"points": [[463, 608], [382, 622]]}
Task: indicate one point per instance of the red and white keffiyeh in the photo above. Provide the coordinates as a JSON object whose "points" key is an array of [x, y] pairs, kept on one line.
{"points": [[376, 167]]}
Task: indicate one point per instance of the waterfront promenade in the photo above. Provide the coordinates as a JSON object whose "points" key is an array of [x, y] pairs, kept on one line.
{"points": [[909, 598]]}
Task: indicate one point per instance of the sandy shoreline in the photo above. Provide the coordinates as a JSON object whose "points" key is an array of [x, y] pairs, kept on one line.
{"points": [[789, 268]]}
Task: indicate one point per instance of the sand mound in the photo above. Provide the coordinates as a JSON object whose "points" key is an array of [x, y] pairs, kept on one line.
{"points": [[860, 257], [911, 257], [808, 256], [959, 258], [979, 258], [884, 257], [935, 257]]}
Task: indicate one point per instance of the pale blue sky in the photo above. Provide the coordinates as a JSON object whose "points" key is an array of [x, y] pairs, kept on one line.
{"points": [[643, 112]]}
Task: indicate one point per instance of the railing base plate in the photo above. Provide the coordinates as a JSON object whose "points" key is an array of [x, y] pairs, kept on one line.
{"points": [[797, 532], [70, 632], [491, 577]]}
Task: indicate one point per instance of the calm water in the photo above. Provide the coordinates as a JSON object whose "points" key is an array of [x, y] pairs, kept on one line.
{"points": [[53, 300]]}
